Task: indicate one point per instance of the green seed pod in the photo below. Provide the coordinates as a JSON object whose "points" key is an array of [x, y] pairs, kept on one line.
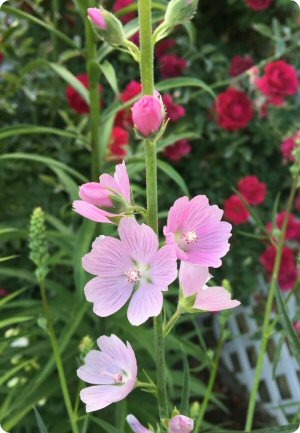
{"points": [[180, 11], [38, 243]]}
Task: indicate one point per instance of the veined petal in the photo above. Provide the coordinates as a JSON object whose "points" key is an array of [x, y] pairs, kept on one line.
{"points": [[146, 302], [91, 212], [215, 299], [121, 354], [94, 193], [192, 278], [164, 267], [178, 214], [98, 369], [122, 181], [135, 425], [98, 397]]}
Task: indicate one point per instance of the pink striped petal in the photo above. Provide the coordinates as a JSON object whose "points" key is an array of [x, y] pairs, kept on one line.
{"points": [[135, 425], [98, 397], [146, 302], [192, 278], [164, 267], [91, 212], [94, 193], [214, 299]]}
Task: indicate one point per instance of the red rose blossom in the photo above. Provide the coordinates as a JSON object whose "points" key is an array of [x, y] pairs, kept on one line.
{"points": [[240, 64], [235, 210], [174, 111], [172, 66], [288, 270], [288, 146], [178, 150], [280, 80], [253, 191], [121, 4], [234, 109], [75, 100], [118, 143], [258, 5], [164, 46]]}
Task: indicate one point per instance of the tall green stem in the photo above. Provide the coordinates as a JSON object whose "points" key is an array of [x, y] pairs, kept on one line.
{"points": [[58, 360], [98, 152], [267, 329], [147, 78]]}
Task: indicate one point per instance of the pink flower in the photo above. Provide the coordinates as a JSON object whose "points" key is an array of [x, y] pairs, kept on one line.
{"points": [[288, 146], [235, 211], [193, 279], [296, 325], [135, 425], [195, 228], [174, 111], [97, 17], [112, 371], [172, 66], [240, 64], [111, 193], [293, 226], [132, 266], [234, 109], [181, 424], [253, 191], [148, 115], [258, 5], [280, 80], [178, 150]]}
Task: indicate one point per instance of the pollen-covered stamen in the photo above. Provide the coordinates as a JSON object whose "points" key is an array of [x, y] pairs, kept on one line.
{"points": [[190, 237], [133, 275], [117, 378]]}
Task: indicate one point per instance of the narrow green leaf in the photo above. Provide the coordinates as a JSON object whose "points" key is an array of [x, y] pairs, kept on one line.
{"points": [[172, 138], [291, 428], [13, 321], [287, 324], [10, 297], [185, 395], [13, 131], [70, 78], [277, 354], [110, 74], [5, 259], [41, 425], [174, 175], [104, 425], [175, 83]]}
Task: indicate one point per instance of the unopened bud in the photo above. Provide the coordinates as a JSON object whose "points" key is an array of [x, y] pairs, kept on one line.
{"points": [[38, 243], [109, 28], [148, 115], [180, 11], [181, 424]]}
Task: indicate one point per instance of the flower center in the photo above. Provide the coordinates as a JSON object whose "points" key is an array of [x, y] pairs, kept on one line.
{"points": [[118, 378], [133, 275], [190, 237]]}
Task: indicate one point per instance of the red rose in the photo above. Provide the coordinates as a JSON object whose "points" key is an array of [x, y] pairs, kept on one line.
{"points": [[240, 64], [178, 150], [258, 5], [75, 100], [121, 4], [164, 46], [288, 270], [174, 111], [234, 109], [118, 142], [235, 210], [253, 191], [288, 146], [172, 66], [280, 80]]}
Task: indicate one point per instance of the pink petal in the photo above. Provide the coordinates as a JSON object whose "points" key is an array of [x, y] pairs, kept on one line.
{"points": [[108, 294], [192, 278], [108, 258], [95, 194], [122, 355], [140, 240], [122, 180], [135, 425], [215, 299], [146, 302], [91, 212], [164, 267], [178, 214], [95, 362], [99, 396]]}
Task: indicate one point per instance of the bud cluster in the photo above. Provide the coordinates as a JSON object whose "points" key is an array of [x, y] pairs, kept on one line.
{"points": [[38, 243]]}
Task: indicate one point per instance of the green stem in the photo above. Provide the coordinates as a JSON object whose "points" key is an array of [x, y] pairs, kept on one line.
{"points": [[58, 360], [98, 152], [211, 383], [171, 323], [147, 79], [266, 329]]}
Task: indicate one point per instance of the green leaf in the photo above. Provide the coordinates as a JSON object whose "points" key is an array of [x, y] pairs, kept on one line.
{"points": [[66, 75], [14, 320], [174, 175], [287, 324], [263, 30], [185, 395], [110, 74], [41, 426], [5, 259], [104, 425], [82, 245], [172, 138], [291, 428], [13, 131], [175, 83]]}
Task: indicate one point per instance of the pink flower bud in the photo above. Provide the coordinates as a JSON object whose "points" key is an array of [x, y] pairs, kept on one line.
{"points": [[181, 424], [97, 17], [148, 114]]}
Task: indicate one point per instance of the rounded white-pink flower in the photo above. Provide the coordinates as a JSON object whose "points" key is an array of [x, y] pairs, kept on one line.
{"points": [[132, 268], [195, 228], [112, 372], [181, 424]]}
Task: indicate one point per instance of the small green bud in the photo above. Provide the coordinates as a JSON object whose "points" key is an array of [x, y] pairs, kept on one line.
{"points": [[108, 27], [180, 11], [86, 345], [38, 243], [195, 409]]}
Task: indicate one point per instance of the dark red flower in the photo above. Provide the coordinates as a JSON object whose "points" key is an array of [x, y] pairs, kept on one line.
{"points": [[178, 150], [1, 57], [288, 146], [288, 272], [280, 80], [131, 90], [234, 109], [3, 293], [174, 111], [297, 203], [293, 227], [123, 118], [240, 64], [164, 46], [253, 191], [235, 210], [121, 4], [118, 142], [75, 100], [172, 66], [258, 5]]}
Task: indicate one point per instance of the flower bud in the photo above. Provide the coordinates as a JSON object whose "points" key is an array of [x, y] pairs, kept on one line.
{"points": [[148, 114], [38, 243], [180, 11], [181, 424], [108, 27]]}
